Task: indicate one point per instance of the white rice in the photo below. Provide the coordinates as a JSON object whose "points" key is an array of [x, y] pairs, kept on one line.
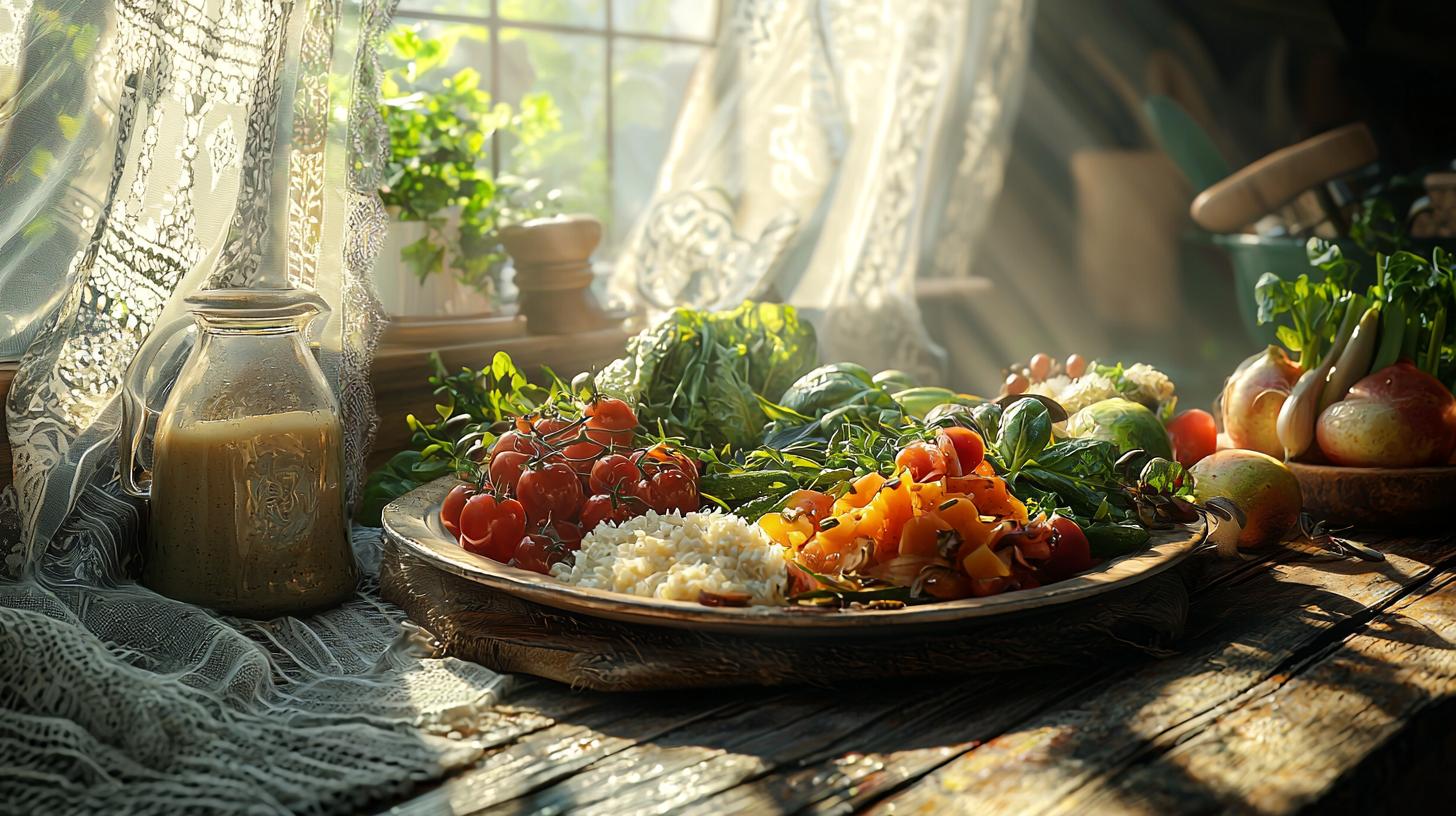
{"points": [[676, 557]]}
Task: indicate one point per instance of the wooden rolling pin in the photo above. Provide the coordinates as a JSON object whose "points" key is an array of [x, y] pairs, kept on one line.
{"points": [[1282, 176]]}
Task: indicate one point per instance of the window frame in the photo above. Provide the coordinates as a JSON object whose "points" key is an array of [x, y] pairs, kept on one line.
{"points": [[608, 33]]}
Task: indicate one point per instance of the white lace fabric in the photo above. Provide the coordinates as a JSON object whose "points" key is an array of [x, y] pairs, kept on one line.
{"points": [[190, 143], [829, 154]]}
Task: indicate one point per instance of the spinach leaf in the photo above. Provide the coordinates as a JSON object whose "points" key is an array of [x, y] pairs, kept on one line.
{"points": [[1026, 428], [988, 418], [1083, 455]]}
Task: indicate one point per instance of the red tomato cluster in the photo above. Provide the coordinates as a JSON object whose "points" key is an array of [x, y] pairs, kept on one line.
{"points": [[553, 479]]}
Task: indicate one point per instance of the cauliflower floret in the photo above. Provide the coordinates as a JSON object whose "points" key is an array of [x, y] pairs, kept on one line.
{"points": [[1153, 385], [1085, 391]]}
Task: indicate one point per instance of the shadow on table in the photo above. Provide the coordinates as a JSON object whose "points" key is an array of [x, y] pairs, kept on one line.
{"points": [[1153, 734]]}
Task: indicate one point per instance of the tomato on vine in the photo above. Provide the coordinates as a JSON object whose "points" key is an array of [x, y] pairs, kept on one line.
{"points": [[491, 526], [453, 504], [605, 508], [505, 470], [610, 422], [613, 472], [549, 490], [670, 489]]}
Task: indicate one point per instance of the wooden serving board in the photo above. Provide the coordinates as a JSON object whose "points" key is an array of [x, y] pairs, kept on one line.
{"points": [[512, 635]]}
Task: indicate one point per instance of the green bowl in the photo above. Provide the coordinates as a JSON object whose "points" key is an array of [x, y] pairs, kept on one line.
{"points": [[1253, 256]]}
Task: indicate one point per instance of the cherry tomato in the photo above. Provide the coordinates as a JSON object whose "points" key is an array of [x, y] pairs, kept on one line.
{"points": [[1071, 553], [970, 449], [1040, 366], [515, 441], [505, 470], [1193, 435], [811, 503], [582, 456], [610, 421], [604, 508], [948, 452], [672, 489], [924, 461], [661, 456], [492, 527], [613, 472], [554, 429], [1016, 383], [564, 533], [1076, 366], [534, 553], [549, 490], [453, 504]]}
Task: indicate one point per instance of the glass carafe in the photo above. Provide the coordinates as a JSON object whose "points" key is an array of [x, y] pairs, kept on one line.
{"points": [[246, 486]]}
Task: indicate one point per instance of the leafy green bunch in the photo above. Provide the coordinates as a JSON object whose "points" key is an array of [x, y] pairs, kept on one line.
{"points": [[711, 377], [472, 404], [1415, 295], [440, 133]]}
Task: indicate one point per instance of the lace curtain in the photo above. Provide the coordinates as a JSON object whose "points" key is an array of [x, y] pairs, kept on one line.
{"points": [[831, 153], [149, 148]]}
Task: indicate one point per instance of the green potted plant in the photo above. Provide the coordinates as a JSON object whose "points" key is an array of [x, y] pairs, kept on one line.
{"points": [[443, 255]]}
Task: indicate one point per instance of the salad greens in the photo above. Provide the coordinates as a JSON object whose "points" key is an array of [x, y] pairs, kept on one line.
{"points": [[706, 375]]}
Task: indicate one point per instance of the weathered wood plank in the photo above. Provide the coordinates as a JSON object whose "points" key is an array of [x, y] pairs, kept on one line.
{"points": [[609, 725], [1298, 734], [866, 769], [853, 759], [712, 752], [1250, 629], [918, 735]]}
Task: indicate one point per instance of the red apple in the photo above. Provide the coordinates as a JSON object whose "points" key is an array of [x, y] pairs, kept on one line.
{"points": [[1399, 416], [1252, 397]]}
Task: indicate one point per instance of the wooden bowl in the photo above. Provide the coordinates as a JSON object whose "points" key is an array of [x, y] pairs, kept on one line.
{"points": [[1378, 498]]}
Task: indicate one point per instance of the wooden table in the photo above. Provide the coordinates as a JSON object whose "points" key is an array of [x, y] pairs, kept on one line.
{"points": [[1303, 683]]}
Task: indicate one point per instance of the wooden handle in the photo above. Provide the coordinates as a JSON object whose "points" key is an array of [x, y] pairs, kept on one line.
{"points": [[1278, 178]]}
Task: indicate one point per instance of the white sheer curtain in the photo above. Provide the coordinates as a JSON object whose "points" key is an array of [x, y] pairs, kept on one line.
{"points": [[831, 154], [149, 148]]}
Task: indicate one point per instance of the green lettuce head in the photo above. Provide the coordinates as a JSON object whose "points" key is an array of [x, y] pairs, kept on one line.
{"points": [[1126, 424]]}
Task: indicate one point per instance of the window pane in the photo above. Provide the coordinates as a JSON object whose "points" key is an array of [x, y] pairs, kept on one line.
{"points": [[570, 69], [446, 48], [679, 18], [649, 79], [588, 13]]}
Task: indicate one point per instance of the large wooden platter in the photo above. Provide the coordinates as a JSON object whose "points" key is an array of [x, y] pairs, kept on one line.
{"points": [[412, 524]]}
